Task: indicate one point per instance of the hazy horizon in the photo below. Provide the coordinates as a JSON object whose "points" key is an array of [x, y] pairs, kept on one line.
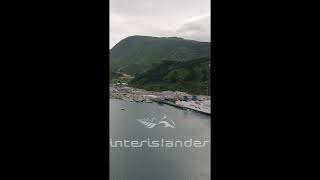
{"points": [[187, 19], [160, 37]]}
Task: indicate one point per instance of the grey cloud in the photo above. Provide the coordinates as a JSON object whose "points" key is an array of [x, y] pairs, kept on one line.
{"points": [[159, 6], [182, 18], [198, 29]]}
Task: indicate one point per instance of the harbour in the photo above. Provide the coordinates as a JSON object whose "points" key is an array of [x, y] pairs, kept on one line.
{"points": [[182, 100], [178, 162]]}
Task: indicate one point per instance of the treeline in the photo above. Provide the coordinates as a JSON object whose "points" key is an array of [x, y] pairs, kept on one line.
{"points": [[189, 76]]}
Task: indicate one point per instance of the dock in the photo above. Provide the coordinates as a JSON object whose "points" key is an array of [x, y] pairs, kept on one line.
{"points": [[182, 106], [173, 98]]}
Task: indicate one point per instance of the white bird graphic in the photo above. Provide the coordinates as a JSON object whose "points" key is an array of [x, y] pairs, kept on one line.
{"points": [[166, 124], [149, 124]]}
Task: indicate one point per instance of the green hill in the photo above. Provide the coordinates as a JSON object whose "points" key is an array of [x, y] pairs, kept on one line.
{"points": [[191, 76], [136, 54]]}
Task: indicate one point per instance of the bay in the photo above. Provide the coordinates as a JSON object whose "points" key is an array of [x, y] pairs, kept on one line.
{"points": [[158, 163]]}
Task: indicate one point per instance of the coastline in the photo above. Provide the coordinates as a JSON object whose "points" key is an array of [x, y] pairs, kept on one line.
{"points": [[182, 100]]}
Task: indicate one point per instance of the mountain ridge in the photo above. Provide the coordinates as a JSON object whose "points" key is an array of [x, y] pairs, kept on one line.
{"points": [[135, 54]]}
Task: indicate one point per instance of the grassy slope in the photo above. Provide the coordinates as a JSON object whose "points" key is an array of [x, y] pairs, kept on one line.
{"points": [[136, 54], [191, 76]]}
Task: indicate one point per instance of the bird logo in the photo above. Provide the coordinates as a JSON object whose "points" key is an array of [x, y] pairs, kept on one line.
{"points": [[151, 123]]}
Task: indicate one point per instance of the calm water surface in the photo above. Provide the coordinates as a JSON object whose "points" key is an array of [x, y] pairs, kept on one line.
{"points": [[160, 163]]}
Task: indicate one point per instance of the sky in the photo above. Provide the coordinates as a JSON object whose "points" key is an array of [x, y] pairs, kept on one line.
{"points": [[189, 19]]}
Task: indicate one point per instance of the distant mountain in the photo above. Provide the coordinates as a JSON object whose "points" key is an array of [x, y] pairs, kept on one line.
{"points": [[136, 54], [191, 76]]}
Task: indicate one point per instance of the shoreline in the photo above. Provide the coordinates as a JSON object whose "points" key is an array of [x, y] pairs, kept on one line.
{"points": [[181, 100], [126, 92]]}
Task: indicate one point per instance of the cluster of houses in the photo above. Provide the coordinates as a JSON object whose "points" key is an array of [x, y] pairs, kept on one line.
{"points": [[120, 84]]}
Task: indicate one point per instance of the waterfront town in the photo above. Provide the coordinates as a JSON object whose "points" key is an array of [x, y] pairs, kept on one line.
{"points": [[199, 103]]}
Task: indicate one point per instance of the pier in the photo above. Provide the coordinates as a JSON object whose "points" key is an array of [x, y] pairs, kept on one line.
{"points": [[173, 98]]}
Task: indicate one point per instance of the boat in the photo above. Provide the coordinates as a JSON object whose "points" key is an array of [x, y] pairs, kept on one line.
{"points": [[148, 101], [123, 109]]}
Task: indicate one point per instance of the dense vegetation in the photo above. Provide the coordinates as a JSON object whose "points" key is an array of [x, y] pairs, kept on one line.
{"points": [[120, 78], [159, 64], [136, 54], [191, 76]]}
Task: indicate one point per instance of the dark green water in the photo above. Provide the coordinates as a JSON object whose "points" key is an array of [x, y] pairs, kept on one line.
{"points": [[158, 163]]}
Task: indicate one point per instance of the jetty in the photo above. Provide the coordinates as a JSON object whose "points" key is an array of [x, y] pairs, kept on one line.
{"points": [[182, 100]]}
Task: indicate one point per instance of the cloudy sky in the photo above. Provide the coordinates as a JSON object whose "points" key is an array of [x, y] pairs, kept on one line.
{"points": [[189, 19]]}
